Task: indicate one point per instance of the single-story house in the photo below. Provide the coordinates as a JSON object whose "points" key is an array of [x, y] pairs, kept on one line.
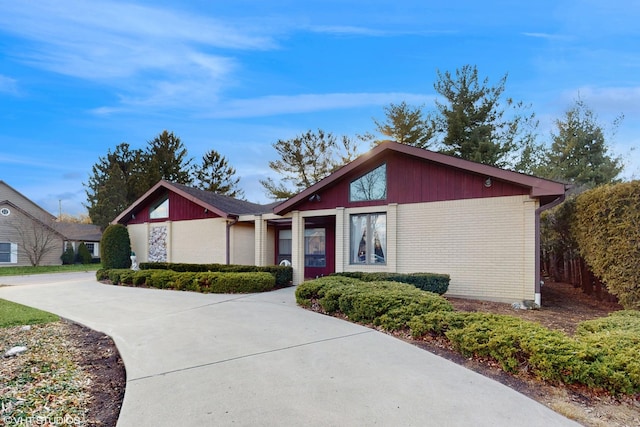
{"points": [[396, 208], [29, 233]]}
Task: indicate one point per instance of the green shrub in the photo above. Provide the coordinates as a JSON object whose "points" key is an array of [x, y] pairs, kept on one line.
{"points": [[387, 304], [115, 247], [84, 256], [283, 275], [68, 256], [235, 282], [606, 230], [199, 282], [436, 283]]}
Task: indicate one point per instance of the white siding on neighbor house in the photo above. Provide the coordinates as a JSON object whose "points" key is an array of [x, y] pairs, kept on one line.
{"points": [[487, 246]]}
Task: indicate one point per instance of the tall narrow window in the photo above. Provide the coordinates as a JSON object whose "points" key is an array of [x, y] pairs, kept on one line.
{"points": [[371, 186], [160, 209], [368, 239], [314, 247], [5, 252], [284, 245], [8, 253]]}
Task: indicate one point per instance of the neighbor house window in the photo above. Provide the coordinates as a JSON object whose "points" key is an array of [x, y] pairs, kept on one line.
{"points": [[8, 253], [314, 247], [160, 209], [371, 186], [368, 238], [284, 245], [91, 248]]}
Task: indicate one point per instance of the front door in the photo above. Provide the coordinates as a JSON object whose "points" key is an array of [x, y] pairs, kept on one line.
{"points": [[319, 248]]}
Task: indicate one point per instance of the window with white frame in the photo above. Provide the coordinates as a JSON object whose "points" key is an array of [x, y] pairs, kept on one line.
{"points": [[8, 253], [370, 186], [368, 240], [91, 247]]}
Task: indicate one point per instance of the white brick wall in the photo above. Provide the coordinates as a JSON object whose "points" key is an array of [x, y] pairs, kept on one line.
{"points": [[487, 246]]}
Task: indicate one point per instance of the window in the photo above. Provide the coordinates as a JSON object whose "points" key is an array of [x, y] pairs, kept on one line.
{"points": [[5, 212], [90, 248], [368, 239], [314, 247], [284, 245], [8, 253], [372, 186], [160, 209]]}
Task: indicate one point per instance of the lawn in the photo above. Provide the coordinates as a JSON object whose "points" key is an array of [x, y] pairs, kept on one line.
{"points": [[25, 270], [13, 314]]}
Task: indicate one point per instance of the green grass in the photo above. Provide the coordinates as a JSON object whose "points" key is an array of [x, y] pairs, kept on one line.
{"points": [[25, 270], [13, 314]]}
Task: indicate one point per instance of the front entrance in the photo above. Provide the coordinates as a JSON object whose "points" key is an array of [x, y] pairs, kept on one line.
{"points": [[319, 246]]}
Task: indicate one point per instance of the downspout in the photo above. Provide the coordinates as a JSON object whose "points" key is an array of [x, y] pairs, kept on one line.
{"points": [[553, 204], [230, 224]]}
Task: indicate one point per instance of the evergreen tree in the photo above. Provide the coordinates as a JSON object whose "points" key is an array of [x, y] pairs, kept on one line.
{"points": [[472, 123], [404, 124], [117, 180], [166, 158], [215, 174], [579, 153]]}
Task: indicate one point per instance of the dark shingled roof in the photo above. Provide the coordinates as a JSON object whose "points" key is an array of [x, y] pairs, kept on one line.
{"points": [[225, 203], [78, 232]]}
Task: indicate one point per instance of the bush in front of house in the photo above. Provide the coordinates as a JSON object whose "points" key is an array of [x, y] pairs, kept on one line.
{"points": [[602, 355], [115, 247], [205, 282], [282, 274], [436, 283], [68, 255], [383, 303], [83, 256]]}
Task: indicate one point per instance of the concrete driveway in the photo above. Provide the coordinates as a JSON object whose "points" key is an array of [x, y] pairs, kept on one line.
{"points": [[258, 359]]}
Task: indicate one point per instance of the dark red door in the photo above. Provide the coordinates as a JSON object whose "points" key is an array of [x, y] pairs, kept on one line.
{"points": [[319, 247]]}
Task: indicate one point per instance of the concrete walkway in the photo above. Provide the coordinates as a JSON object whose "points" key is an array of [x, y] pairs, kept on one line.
{"points": [[259, 360]]}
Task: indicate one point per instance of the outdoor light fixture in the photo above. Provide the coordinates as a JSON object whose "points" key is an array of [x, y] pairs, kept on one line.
{"points": [[487, 182]]}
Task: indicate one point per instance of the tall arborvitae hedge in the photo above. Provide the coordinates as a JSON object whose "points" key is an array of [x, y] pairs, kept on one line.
{"points": [[115, 247], [607, 229]]}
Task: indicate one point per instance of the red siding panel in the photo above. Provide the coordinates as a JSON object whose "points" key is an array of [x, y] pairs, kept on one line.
{"points": [[415, 180], [180, 209]]}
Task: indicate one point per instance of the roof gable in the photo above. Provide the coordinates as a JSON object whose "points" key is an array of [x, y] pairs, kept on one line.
{"points": [[469, 179], [210, 202], [12, 195]]}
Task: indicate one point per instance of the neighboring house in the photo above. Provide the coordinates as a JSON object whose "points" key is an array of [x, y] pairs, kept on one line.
{"points": [[395, 209], [76, 233], [30, 234]]}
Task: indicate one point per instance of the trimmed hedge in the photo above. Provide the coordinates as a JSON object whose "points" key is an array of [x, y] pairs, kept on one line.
{"points": [[387, 304], [283, 275], [115, 247], [606, 230], [431, 282], [205, 282]]}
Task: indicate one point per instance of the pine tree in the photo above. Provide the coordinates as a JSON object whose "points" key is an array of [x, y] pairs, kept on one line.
{"points": [[215, 174], [579, 153], [472, 123]]}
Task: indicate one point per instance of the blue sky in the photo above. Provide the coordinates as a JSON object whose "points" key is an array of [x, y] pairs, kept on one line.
{"points": [[77, 78]]}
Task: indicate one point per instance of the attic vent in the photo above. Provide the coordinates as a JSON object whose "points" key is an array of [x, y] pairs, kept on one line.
{"points": [[5, 212]]}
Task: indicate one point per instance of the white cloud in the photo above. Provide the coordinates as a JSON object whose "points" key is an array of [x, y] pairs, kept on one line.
{"points": [[607, 100], [153, 56], [305, 103]]}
